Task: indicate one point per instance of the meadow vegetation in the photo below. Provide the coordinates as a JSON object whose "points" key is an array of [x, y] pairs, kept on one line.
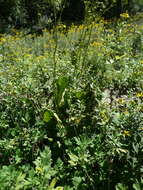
{"points": [[71, 107]]}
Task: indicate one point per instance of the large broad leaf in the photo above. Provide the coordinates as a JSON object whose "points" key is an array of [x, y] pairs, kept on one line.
{"points": [[61, 85], [49, 114]]}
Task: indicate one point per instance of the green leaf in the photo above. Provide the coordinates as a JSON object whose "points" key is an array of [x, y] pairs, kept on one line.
{"points": [[80, 95], [77, 181], [120, 186], [53, 183], [61, 85], [19, 181], [136, 186], [135, 147], [59, 188], [73, 159], [48, 115]]}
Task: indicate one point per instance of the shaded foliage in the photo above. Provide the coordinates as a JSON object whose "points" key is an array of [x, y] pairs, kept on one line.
{"points": [[44, 13]]}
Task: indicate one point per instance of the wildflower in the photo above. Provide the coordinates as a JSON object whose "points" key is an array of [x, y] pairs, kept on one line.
{"points": [[124, 15], [141, 129], [126, 133], [39, 170], [46, 46], [2, 40], [121, 101], [64, 26], [104, 116], [76, 120], [81, 27], [126, 112], [96, 44], [40, 57], [27, 55], [139, 94]]}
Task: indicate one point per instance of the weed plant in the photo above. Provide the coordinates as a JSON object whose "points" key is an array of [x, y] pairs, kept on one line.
{"points": [[71, 109]]}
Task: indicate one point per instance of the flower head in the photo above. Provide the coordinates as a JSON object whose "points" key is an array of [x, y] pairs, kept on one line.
{"points": [[126, 133], [124, 15]]}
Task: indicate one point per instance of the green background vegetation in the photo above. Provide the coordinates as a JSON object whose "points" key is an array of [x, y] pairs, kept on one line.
{"points": [[36, 15], [71, 95]]}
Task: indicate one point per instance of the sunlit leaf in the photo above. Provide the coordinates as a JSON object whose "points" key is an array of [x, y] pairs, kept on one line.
{"points": [[48, 115]]}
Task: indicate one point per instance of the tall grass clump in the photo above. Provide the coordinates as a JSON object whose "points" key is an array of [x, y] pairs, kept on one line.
{"points": [[71, 111]]}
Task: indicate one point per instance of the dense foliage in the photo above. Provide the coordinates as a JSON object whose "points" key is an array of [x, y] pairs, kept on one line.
{"points": [[36, 15], [71, 109]]}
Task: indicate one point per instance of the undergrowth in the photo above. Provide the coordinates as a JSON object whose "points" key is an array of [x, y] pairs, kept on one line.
{"points": [[71, 111]]}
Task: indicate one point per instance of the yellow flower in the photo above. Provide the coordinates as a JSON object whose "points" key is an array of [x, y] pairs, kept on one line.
{"points": [[141, 129], [28, 55], [81, 27], [139, 94], [39, 170], [104, 116], [121, 101], [124, 15], [126, 112], [2, 40], [96, 44], [141, 62], [64, 26], [76, 120], [126, 133], [40, 57]]}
